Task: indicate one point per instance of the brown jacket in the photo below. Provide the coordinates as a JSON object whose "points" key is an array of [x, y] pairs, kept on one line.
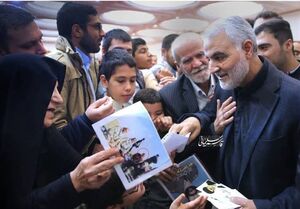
{"points": [[76, 93]]}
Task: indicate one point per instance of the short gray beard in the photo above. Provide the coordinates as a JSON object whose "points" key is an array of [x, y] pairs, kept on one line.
{"points": [[204, 78], [236, 75]]}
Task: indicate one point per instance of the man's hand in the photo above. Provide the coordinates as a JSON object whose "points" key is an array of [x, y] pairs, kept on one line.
{"points": [[163, 123], [198, 203], [162, 73], [100, 109], [189, 125], [224, 114], [129, 197], [92, 172], [132, 195], [243, 202], [166, 80], [167, 175]]}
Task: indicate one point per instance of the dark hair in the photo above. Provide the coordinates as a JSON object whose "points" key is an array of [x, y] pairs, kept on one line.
{"points": [[267, 15], [117, 34], [168, 40], [136, 42], [12, 17], [148, 95], [278, 27], [114, 58], [250, 21], [73, 13]]}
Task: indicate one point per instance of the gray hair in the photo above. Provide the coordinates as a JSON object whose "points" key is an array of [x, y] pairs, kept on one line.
{"points": [[181, 40], [236, 28]]}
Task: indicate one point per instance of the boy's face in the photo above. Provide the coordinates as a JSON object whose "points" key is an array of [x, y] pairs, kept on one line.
{"points": [[142, 57], [121, 85], [155, 110]]}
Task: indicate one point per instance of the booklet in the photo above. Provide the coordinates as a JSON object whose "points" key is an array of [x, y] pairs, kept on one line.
{"points": [[190, 174], [132, 131], [219, 195]]}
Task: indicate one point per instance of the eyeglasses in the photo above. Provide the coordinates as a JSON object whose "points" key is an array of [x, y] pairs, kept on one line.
{"points": [[210, 141], [97, 26]]}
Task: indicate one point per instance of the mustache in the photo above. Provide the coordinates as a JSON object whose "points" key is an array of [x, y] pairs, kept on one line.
{"points": [[200, 68]]}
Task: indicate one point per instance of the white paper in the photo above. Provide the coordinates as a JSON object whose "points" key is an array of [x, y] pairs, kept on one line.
{"points": [[219, 195], [132, 131], [173, 141]]}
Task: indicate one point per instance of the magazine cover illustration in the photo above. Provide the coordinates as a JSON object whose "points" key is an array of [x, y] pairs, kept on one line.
{"points": [[190, 174], [131, 131]]}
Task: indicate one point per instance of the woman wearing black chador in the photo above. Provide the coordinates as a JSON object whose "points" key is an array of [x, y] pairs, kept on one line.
{"points": [[40, 166]]}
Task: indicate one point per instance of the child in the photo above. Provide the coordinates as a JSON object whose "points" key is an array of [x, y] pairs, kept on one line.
{"points": [[155, 196], [118, 76], [152, 102]]}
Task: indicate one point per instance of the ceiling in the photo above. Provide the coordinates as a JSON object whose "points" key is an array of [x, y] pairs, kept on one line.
{"points": [[163, 17]]}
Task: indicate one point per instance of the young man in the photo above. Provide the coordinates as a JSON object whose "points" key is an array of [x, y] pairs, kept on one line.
{"points": [[275, 41], [261, 145], [120, 39], [116, 38], [142, 57], [18, 32], [265, 16], [80, 33], [168, 62]]}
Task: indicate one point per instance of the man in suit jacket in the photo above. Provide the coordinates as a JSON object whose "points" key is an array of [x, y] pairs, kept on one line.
{"points": [[191, 91], [275, 41], [261, 145]]}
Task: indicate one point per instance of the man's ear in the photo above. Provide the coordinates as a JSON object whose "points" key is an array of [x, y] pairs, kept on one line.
{"points": [[77, 31], [288, 45], [164, 52], [177, 67], [103, 80], [248, 48]]}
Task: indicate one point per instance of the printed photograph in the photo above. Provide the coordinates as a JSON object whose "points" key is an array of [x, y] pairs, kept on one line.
{"points": [[190, 174], [132, 131]]}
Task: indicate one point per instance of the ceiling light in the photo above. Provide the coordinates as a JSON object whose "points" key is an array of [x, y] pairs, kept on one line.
{"points": [[50, 33], [155, 33], [184, 25], [44, 9], [226, 9], [108, 27], [49, 39], [129, 17], [49, 24], [161, 5]]}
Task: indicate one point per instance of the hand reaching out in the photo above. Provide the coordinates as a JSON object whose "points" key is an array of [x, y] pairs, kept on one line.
{"points": [[198, 203], [162, 73], [93, 171], [163, 123], [243, 202], [100, 109], [167, 175], [189, 125]]}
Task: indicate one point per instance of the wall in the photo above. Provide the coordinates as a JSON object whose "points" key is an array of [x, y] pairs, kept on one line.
{"points": [[294, 20]]}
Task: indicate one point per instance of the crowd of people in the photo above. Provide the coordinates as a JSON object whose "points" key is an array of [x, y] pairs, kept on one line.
{"points": [[234, 89]]}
